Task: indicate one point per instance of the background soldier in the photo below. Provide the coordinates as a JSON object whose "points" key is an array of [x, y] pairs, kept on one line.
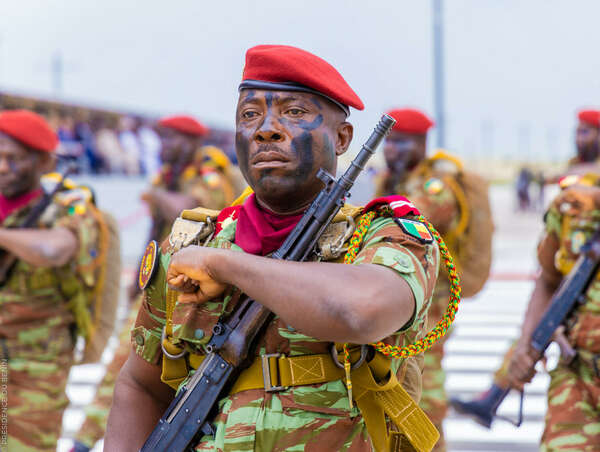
{"points": [[191, 175], [587, 142], [573, 394], [290, 122], [53, 259], [456, 203]]}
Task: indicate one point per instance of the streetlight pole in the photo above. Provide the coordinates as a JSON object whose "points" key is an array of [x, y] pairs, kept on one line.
{"points": [[438, 72]]}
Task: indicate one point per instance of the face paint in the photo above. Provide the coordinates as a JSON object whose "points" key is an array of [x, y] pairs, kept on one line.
{"points": [[280, 150]]}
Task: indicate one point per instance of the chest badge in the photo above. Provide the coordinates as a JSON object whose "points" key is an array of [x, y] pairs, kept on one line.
{"points": [[415, 229], [148, 264], [433, 186]]}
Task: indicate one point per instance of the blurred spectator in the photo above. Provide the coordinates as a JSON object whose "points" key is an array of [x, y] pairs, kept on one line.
{"points": [[130, 145], [150, 147], [109, 148]]}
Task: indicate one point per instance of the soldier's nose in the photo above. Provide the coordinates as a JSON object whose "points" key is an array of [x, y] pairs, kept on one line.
{"points": [[268, 136]]}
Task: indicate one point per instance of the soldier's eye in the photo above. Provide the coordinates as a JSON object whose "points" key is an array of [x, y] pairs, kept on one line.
{"points": [[295, 112], [249, 114]]}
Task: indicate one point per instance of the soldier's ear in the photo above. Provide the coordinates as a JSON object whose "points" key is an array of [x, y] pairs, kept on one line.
{"points": [[345, 132]]}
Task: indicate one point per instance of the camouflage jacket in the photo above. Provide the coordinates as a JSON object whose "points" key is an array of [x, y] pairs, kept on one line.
{"points": [[36, 313], [569, 222], [301, 417]]}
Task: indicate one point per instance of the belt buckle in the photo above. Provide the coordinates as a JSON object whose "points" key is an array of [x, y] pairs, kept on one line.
{"points": [[267, 373]]}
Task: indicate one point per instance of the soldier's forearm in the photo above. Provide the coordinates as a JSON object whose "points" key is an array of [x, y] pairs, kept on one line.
{"points": [[538, 303], [40, 247], [333, 302]]}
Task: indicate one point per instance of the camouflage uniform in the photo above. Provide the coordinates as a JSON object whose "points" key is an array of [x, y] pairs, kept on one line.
{"points": [[301, 417], [427, 190], [573, 416], [37, 326]]}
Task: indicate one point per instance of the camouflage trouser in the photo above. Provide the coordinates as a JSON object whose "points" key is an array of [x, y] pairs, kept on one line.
{"points": [[434, 400], [94, 426], [34, 400], [573, 417]]}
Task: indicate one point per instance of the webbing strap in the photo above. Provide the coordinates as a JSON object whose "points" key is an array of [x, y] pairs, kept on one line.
{"points": [[375, 400]]}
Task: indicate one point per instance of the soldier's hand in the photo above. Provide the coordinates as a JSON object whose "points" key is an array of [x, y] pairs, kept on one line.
{"points": [[521, 369], [189, 273], [577, 199]]}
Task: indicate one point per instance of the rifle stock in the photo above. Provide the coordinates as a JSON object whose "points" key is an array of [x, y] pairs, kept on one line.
{"points": [[233, 340]]}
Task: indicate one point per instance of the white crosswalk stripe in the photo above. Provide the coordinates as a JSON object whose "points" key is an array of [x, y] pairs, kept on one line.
{"points": [[484, 329]]}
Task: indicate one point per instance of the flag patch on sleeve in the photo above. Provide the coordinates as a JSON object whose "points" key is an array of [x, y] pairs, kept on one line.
{"points": [[416, 229]]}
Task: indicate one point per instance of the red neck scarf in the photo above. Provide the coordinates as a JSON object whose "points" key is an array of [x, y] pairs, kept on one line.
{"points": [[260, 231], [9, 205]]}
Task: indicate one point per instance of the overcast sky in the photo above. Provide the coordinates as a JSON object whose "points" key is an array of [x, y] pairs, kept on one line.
{"points": [[516, 71]]}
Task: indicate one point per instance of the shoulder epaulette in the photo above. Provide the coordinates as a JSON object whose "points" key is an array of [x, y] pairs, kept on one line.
{"points": [[400, 205], [347, 210], [199, 214]]}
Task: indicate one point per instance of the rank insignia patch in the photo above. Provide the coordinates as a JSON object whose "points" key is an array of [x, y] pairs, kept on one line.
{"points": [[416, 229], [148, 264]]}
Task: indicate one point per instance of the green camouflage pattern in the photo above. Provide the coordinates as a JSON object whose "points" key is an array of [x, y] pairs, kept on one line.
{"points": [[425, 186], [572, 420], [302, 417], [36, 326], [94, 426]]}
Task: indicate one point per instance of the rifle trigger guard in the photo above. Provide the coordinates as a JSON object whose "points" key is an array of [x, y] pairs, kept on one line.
{"points": [[163, 337], [336, 360]]}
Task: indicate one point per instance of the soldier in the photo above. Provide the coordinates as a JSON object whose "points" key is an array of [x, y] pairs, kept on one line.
{"points": [[587, 142], [290, 122], [190, 175], [442, 191], [54, 260], [573, 396]]}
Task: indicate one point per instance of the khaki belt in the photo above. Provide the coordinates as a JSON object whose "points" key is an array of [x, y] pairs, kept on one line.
{"points": [[276, 372]]}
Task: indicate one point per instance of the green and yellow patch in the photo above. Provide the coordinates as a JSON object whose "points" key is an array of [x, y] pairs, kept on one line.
{"points": [[415, 229]]}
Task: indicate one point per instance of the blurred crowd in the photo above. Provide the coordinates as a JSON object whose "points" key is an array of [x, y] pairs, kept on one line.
{"points": [[107, 142]]}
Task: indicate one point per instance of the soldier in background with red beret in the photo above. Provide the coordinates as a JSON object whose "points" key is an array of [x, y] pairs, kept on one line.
{"points": [[190, 175], [55, 259], [455, 201], [291, 121]]}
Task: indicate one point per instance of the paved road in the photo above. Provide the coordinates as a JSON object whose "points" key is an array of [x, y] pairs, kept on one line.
{"points": [[484, 328]]}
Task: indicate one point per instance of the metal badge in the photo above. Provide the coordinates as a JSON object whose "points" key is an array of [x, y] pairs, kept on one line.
{"points": [[148, 264]]}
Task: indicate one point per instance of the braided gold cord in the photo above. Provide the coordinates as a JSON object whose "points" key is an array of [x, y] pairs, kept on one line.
{"points": [[442, 326]]}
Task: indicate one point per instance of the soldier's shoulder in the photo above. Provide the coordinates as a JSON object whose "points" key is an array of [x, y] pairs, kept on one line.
{"points": [[401, 212]]}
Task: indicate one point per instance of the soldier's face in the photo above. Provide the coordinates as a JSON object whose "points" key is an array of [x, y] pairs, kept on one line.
{"points": [[587, 140], [404, 151], [20, 168], [283, 138], [174, 144]]}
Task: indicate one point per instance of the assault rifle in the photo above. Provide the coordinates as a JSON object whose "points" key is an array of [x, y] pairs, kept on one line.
{"points": [[233, 341], [8, 260], [569, 295]]}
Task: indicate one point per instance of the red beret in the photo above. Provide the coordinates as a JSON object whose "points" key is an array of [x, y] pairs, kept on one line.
{"points": [[409, 120], [293, 69], [590, 117], [184, 124], [29, 128]]}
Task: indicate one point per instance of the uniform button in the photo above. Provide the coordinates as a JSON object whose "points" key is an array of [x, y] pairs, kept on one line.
{"points": [[199, 333], [139, 339], [403, 260]]}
